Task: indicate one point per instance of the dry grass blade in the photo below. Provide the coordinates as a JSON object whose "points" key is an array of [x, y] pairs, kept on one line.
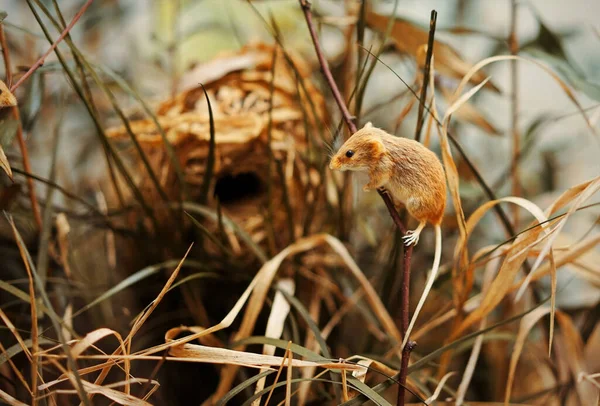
{"points": [[4, 163], [213, 355], [83, 344], [588, 192], [527, 324], [114, 395], [56, 321], [471, 364], [256, 293], [575, 356], [288, 383], [275, 323], [10, 400], [438, 388], [510, 267], [131, 280], [287, 350], [140, 322], [20, 346]]}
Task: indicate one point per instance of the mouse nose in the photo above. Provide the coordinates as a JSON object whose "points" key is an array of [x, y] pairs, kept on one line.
{"points": [[331, 165]]}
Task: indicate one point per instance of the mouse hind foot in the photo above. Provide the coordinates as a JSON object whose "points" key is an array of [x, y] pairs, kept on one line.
{"points": [[412, 236]]}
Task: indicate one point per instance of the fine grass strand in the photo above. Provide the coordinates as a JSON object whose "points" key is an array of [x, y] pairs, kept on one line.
{"points": [[236, 390], [100, 130], [211, 215], [299, 307], [46, 232], [210, 161], [211, 236], [81, 60], [56, 321], [135, 278]]}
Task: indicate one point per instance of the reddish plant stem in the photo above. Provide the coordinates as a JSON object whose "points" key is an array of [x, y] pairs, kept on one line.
{"points": [[406, 288], [387, 200], [40, 61], [403, 372], [430, 45], [21, 139], [325, 67], [6, 56]]}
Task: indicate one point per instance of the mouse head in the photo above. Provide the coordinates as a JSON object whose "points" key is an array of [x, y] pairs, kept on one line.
{"points": [[360, 152]]}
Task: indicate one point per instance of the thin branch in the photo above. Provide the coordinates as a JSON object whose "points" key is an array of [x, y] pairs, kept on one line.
{"points": [[6, 56], [387, 200], [40, 61], [404, 372], [325, 67], [430, 45]]}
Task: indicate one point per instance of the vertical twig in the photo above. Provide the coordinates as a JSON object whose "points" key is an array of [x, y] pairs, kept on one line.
{"points": [[404, 371], [514, 50], [430, 45], [388, 202], [325, 68], [6, 56], [21, 139]]}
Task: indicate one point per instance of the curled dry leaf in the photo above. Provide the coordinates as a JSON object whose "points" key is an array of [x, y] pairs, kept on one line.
{"points": [[7, 99], [410, 38]]}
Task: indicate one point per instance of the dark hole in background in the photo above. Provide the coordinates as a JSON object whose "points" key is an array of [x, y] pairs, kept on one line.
{"points": [[234, 188]]}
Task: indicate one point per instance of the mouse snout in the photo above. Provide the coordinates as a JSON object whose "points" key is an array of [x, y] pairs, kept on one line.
{"points": [[333, 164]]}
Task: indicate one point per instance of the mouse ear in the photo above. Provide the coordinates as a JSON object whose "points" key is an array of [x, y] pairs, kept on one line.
{"points": [[368, 125], [376, 148]]}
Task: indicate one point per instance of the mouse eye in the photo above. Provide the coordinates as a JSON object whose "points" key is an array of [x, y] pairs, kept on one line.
{"points": [[349, 153]]}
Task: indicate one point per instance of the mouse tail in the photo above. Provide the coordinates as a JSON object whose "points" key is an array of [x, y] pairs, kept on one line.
{"points": [[434, 271]]}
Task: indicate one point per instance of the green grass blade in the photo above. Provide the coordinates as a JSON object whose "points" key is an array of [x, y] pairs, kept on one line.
{"points": [[210, 162]]}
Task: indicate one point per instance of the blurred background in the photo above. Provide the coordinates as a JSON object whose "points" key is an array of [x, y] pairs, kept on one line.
{"points": [[108, 253]]}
